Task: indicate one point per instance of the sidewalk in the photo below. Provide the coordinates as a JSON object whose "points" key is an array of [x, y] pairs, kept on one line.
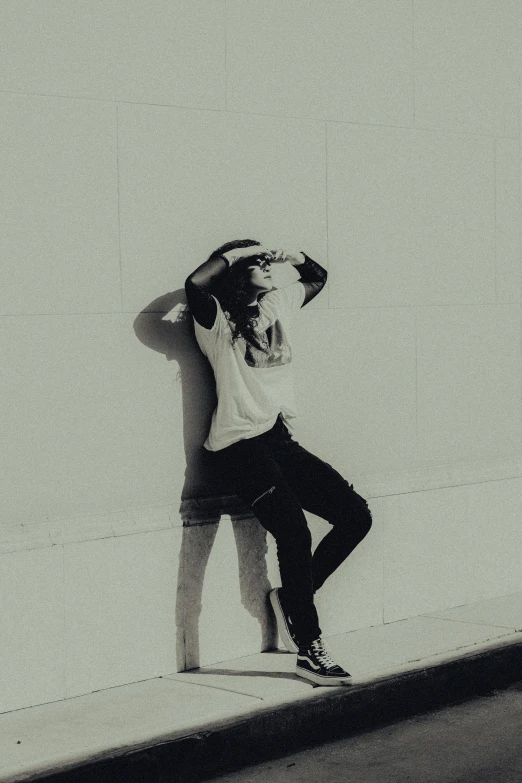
{"points": [[188, 725]]}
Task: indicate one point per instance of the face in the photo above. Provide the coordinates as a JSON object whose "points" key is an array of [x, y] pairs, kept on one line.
{"points": [[259, 274]]}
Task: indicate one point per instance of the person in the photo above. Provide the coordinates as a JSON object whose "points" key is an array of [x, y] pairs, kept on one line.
{"points": [[242, 325]]}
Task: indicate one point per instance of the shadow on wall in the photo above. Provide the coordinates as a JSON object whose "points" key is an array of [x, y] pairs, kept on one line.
{"points": [[166, 326]]}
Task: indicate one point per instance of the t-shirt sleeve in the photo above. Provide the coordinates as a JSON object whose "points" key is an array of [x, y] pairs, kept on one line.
{"points": [[288, 299]]}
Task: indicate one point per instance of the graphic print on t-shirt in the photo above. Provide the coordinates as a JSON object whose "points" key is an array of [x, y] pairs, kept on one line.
{"points": [[279, 351]]}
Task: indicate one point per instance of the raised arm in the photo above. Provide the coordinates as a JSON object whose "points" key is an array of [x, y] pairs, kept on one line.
{"points": [[199, 287], [206, 279], [313, 275]]}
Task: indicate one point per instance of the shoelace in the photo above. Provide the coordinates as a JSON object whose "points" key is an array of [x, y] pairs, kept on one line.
{"points": [[322, 654]]}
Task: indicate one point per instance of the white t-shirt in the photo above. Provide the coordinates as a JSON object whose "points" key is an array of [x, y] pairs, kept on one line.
{"points": [[252, 387]]}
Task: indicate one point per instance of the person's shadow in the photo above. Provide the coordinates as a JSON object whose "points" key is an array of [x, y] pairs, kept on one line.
{"points": [[205, 495]]}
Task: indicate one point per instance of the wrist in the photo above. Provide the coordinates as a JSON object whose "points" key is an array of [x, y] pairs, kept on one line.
{"points": [[230, 257], [298, 259]]}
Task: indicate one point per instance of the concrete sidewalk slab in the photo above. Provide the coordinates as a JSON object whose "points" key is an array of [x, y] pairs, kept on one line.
{"points": [[503, 611], [62, 734], [365, 653], [189, 725]]}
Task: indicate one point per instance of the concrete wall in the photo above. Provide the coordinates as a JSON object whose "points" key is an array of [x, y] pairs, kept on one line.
{"points": [[383, 138]]}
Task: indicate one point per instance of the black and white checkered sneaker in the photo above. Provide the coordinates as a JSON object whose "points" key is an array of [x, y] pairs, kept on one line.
{"points": [[284, 622], [315, 664]]}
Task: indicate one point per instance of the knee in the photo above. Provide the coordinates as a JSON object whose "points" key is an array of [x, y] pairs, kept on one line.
{"points": [[364, 519], [355, 514], [364, 515]]}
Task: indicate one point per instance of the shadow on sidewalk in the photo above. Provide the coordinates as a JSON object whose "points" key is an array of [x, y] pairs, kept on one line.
{"points": [[264, 674]]}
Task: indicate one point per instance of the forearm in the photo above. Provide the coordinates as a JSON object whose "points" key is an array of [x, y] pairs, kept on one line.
{"points": [[198, 287], [313, 277], [311, 271], [203, 282]]}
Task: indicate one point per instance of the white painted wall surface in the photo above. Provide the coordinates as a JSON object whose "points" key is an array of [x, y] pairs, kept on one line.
{"points": [[383, 138]]}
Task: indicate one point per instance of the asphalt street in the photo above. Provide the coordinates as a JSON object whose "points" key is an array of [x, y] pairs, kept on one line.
{"points": [[479, 741]]}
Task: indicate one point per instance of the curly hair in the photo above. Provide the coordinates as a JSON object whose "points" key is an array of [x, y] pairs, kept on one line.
{"points": [[233, 296]]}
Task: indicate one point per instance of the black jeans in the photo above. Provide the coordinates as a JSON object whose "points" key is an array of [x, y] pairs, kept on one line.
{"points": [[274, 475]]}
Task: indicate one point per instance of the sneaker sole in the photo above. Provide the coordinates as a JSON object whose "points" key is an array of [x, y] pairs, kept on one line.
{"points": [[320, 679], [282, 627]]}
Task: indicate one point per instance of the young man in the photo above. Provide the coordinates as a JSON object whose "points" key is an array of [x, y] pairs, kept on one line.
{"points": [[242, 326]]}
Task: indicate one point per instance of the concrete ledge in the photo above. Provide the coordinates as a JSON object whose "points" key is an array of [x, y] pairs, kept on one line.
{"points": [[330, 713], [37, 534]]}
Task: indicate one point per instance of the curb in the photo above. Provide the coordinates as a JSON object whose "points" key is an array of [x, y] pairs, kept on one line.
{"points": [[277, 731]]}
